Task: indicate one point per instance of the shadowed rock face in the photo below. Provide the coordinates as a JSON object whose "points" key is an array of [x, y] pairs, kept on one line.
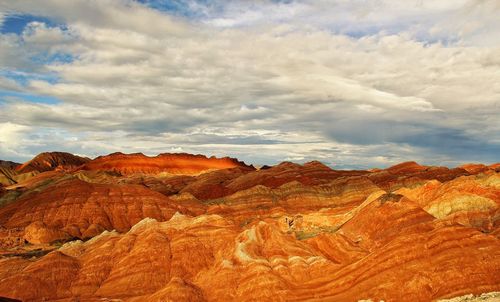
{"points": [[284, 233], [7, 176], [50, 161], [8, 164]]}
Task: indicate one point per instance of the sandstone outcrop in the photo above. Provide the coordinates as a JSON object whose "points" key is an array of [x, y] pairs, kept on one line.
{"points": [[171, 163], [207, 258], [49, 161], [82, 209], [8, 164], [7, 176], [179, 227], [469, 200]]}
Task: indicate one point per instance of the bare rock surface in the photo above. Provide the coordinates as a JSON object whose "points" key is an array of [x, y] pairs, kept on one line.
{"points": [[190, 228]]}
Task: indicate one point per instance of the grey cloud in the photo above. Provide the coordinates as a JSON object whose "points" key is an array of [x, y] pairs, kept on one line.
{"points": [[265, 91], [116, 14], [455, 144]]}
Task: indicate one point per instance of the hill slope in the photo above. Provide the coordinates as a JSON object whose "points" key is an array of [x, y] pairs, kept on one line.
{"points": [[179, 227], [49, 161]]}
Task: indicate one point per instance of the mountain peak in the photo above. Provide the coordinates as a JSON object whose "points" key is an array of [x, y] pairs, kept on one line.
{"points": [[49, 161]]}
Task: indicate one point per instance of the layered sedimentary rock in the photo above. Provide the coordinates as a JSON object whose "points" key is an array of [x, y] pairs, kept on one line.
{"points": [[8, 164], [221, 183], [206, 258], [49, 161], [293, 198], [409, 174], [74, 208], [172, 163], [180, 227], [7, 176], [10, 177], [469, 200]]}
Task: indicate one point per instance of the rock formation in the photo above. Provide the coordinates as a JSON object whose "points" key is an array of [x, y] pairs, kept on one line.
{"points": [[74, 208], [7, 176], [49, 161], [180, 227], [207, 258], [171, 163], [8, 164]]}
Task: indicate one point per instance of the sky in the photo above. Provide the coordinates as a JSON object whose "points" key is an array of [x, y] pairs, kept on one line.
{"points": [[354, 84]]}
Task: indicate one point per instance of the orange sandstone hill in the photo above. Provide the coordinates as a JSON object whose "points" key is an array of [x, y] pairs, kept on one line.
{"points": [[180, 227], [173, 163]]}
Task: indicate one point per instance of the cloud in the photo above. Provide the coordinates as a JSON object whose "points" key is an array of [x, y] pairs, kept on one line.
{"points": [[8, 84], [12, 55], [263, 81], [474, 23], [12, 140], [116, 14]]}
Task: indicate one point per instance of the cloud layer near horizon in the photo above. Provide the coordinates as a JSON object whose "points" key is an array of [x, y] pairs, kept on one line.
{"points": [[351, 83]]}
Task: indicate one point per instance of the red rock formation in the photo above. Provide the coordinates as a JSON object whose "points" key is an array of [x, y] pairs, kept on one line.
{"points": [[213, 184], [49, 161], [37, 232], [495, 167], [292, 198], [222, 183], [172, 163], [406, 168], [8, 164], [475, 168], [469, 200], [284, 233], [312, 173], [410, 174], [82, 209], [10, 238], [208, 259]]}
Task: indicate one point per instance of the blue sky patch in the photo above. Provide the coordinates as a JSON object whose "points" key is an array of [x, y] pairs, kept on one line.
{"points": [[15, 23], [32, 98], [53, 58], [184, 8], [23, 78]]}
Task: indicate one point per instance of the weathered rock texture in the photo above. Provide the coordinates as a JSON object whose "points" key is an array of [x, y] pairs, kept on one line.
{"points": [[8, 164], [204, 229], [81, 209], [49, 161], [172, 163]]}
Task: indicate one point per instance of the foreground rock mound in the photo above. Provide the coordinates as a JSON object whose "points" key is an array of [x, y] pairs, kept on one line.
{"points": [[207, 258]]}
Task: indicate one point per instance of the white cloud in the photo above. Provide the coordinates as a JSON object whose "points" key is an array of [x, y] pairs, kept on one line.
{"points": [[474, 23], [9, 133], [12, 140], [261, 81], [117, 14]]}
